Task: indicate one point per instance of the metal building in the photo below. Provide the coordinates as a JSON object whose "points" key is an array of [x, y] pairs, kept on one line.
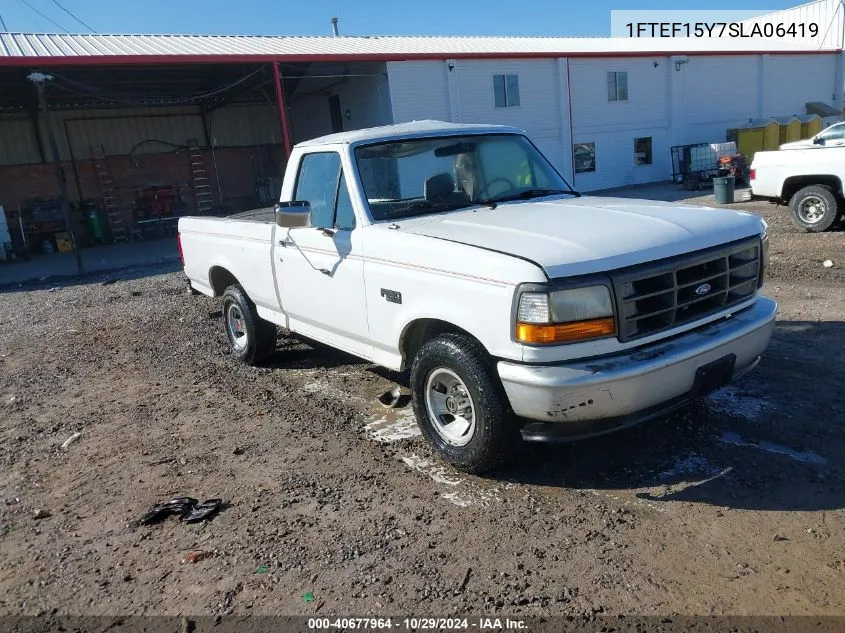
{"points": [[150, 127]]}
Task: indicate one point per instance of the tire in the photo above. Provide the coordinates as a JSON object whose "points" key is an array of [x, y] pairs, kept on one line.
{"points": [[840, 204], [251, 338], [455, 368], [814, 208]]}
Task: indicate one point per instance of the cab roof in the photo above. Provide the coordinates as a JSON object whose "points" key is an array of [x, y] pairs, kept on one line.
{"points": [[412, 129]]}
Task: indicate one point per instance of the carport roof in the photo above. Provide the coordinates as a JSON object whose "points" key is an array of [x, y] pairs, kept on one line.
{"points": [[24, 48]]}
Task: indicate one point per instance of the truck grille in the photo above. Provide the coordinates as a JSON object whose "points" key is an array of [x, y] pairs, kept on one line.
{"points": [[661, 295]]}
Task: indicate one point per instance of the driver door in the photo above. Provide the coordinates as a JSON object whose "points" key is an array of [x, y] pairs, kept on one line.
{"points": [[321, 267]]}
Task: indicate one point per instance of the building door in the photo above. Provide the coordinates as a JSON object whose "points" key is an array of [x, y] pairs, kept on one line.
{"points": [[335, 113]]}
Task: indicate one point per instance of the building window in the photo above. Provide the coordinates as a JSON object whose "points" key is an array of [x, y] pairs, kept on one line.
{"points": [[642, 151], [506, 90], [585, 157], [617, 86]]}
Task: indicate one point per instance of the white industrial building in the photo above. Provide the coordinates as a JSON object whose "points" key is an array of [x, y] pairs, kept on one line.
{"points": [[605, 110]]}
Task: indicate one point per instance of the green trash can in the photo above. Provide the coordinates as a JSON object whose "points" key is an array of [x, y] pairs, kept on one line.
{"points": [[95, 224], [723, 189]]}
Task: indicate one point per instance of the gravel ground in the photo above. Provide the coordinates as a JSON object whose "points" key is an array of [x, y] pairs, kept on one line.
{"points": [[735, 507]]}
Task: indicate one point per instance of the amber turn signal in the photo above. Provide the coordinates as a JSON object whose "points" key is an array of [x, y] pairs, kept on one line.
{"points": [[544, 333]]}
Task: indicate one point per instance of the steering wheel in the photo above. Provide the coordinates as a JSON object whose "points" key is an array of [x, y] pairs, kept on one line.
{"points": [[510, 185]]}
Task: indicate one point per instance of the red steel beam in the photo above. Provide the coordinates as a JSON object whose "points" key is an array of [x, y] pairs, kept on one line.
{"points": [[283, 112]]}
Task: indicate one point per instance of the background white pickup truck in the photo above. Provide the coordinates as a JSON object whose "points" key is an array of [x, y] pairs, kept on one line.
{"points": [[520, 307], [833, 136], [808, 180]]}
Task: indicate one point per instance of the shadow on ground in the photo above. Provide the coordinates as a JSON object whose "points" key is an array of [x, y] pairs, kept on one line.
{"points": [[296, 352], [771, 441]]}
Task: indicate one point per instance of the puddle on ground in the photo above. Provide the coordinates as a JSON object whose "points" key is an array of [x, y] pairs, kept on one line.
{"points": [[328, 390], [462, 493], [394, 425], [688, 471], [458, 499], [439, 474], [735, 401], [807, 457], [692, 464]]}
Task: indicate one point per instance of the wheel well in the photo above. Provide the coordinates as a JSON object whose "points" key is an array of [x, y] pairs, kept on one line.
{"points": [[219, 279], [794, 183], [418, 332]]}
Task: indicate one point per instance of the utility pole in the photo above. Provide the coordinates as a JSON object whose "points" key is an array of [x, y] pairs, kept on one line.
{"points": [[40, 80]]}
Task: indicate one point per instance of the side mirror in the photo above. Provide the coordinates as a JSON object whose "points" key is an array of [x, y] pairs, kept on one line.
{"points": [[293, 215], [818, 141]]}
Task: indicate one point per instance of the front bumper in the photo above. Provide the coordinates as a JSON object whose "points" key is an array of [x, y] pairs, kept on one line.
{"points": [[594, 397]]}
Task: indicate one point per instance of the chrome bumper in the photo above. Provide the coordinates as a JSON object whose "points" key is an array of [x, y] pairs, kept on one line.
{"points": [[597, 396]]}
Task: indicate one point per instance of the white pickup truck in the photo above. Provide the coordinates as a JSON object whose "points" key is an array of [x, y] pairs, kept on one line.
{"points": [[808, 180], [833, 136], [522, 308]]}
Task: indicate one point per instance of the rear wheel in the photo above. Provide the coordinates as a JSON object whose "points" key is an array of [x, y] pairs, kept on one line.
{"points": [[251, 338], [814, 208], [460, 404]]}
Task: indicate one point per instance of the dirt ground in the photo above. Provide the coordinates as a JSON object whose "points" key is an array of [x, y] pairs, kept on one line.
{"points": [[735, 507]]}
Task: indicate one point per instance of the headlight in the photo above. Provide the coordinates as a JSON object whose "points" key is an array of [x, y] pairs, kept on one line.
{"points": [[764, 258], [565, 316], [533, 308], [580, 304]]}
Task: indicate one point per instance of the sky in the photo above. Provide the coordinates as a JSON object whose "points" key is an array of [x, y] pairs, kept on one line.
{"points": [[361, 17]]}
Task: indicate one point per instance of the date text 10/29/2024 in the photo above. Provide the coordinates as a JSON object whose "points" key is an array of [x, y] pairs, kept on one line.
{"points": [[418, 624], [722, 29]]}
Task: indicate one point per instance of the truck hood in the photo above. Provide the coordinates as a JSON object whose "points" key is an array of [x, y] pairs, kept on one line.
{"points": [[805, 144], [575, 236]]}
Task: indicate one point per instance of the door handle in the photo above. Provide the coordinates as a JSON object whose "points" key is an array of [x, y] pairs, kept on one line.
{"points": [[286, 242]]}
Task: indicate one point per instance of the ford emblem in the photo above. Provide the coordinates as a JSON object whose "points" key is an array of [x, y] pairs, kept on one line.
{"points": [[702, 290]]}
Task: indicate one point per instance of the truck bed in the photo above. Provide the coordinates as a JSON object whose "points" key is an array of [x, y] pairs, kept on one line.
{"points": [[239, 246], [265, 215]]}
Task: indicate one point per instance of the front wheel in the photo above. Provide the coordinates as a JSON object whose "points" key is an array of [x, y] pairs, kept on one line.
{"points": [[814, 208], [251, 338], [460, 404]]}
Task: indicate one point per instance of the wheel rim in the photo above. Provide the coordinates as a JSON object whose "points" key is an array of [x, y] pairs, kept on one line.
{"points": [[812, 209], [237, 327], [450, 407]]}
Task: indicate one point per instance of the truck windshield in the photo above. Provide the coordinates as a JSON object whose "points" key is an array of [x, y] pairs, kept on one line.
{"points": [[431, 175]]}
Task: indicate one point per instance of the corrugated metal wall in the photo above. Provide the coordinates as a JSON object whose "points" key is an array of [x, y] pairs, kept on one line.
{"points": [[542, 103], [247, 125], [17, 140], [464, 94], [826, 14], [364, 102], [789, 79], [127, 130], [418, 90]]}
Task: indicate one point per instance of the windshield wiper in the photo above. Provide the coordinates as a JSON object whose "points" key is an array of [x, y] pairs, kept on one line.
{"points": [[528, 194], [424, 207]]}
